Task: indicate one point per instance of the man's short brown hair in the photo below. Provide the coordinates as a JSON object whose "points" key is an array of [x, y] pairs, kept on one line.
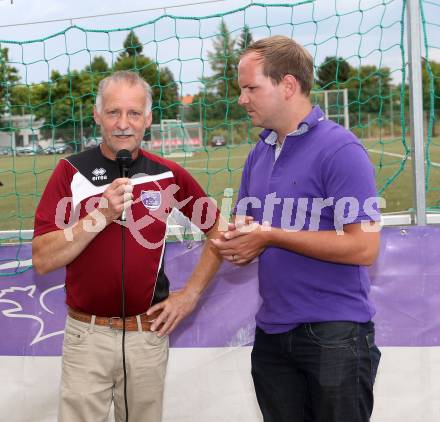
{"points": [[283, 56]]}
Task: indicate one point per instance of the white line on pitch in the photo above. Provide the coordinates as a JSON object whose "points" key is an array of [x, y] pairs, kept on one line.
{"points": [[393, 154], [201, 160]]}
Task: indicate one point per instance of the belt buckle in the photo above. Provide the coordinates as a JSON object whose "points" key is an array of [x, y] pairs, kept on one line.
{"points": [[110, 322]]}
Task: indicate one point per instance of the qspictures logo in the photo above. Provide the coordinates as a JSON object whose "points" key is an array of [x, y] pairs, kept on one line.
{"points": [[289, 214]]}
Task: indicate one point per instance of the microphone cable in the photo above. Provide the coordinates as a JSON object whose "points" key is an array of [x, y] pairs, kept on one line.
{"points": [[123, 319], [124, 160]]}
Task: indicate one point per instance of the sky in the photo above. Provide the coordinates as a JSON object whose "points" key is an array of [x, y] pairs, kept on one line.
{"points": [[363, 32]]}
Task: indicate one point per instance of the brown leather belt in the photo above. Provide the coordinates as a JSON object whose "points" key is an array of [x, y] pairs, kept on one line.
{"points": [[115, 322]]}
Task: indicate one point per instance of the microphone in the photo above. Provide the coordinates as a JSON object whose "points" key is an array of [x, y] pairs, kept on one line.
{"points": [[124, 160]]}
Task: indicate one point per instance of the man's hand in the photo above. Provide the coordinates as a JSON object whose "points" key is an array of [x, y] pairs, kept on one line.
{"points": [[176, 307], [117, 197], [243, 242], [240, 221]]}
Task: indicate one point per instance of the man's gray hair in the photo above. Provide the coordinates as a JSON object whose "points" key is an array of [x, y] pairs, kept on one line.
{"points": [[128, 77]]}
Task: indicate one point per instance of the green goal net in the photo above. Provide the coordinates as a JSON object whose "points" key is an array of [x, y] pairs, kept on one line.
{"points": [[48, 88], [430, 10]]}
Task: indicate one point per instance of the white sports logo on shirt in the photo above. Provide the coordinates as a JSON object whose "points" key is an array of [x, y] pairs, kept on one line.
{"points": [[99, 174]]}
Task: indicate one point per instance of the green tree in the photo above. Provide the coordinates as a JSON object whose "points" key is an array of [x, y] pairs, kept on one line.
{"points": [[223, 62], [245, 38], [66, 103], [21, 99], [8, 78], [206, 106], [161, 80], [132, 45], [98, 65], [333, 72], [368, 91], [167, 98], [367, 87], [222, 86]]}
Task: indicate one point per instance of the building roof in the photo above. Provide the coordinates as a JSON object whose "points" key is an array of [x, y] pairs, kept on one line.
{"points": [[187, 99]]}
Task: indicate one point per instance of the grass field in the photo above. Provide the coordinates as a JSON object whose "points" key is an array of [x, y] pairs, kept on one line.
{"points": [[24, 177]]}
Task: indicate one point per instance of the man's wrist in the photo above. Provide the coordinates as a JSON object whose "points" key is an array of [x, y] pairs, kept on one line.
{"points": [[267, 234], [193, 292], [106, 213], [98, 220]]}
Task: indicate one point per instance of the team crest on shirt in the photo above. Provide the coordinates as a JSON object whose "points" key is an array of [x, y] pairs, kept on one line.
{"points": [[151, 199]]}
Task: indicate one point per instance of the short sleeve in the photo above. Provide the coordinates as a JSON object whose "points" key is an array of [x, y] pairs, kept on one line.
{"points": [[54, 208]]}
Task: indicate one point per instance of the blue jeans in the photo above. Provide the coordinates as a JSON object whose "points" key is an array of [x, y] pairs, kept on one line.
{"points": [[317, 372]]}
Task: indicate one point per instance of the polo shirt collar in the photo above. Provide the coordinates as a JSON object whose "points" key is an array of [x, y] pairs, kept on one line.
{"points": [[310, 121]]}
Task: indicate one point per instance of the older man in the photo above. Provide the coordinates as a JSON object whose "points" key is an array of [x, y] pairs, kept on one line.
{"points": [[77, 226]]}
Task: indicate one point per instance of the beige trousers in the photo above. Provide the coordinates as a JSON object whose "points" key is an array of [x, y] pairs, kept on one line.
{"points": [[92, 374]]}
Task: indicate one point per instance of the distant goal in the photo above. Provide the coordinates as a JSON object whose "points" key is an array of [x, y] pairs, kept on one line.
{"points": [[334, 103], [173, 137]]}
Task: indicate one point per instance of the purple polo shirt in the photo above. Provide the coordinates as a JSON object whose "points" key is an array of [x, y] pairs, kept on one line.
{"points": [[321, 180]]}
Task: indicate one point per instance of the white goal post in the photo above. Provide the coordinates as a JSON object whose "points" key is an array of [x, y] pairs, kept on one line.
{"points": [[174, 136], [334, 103]]}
